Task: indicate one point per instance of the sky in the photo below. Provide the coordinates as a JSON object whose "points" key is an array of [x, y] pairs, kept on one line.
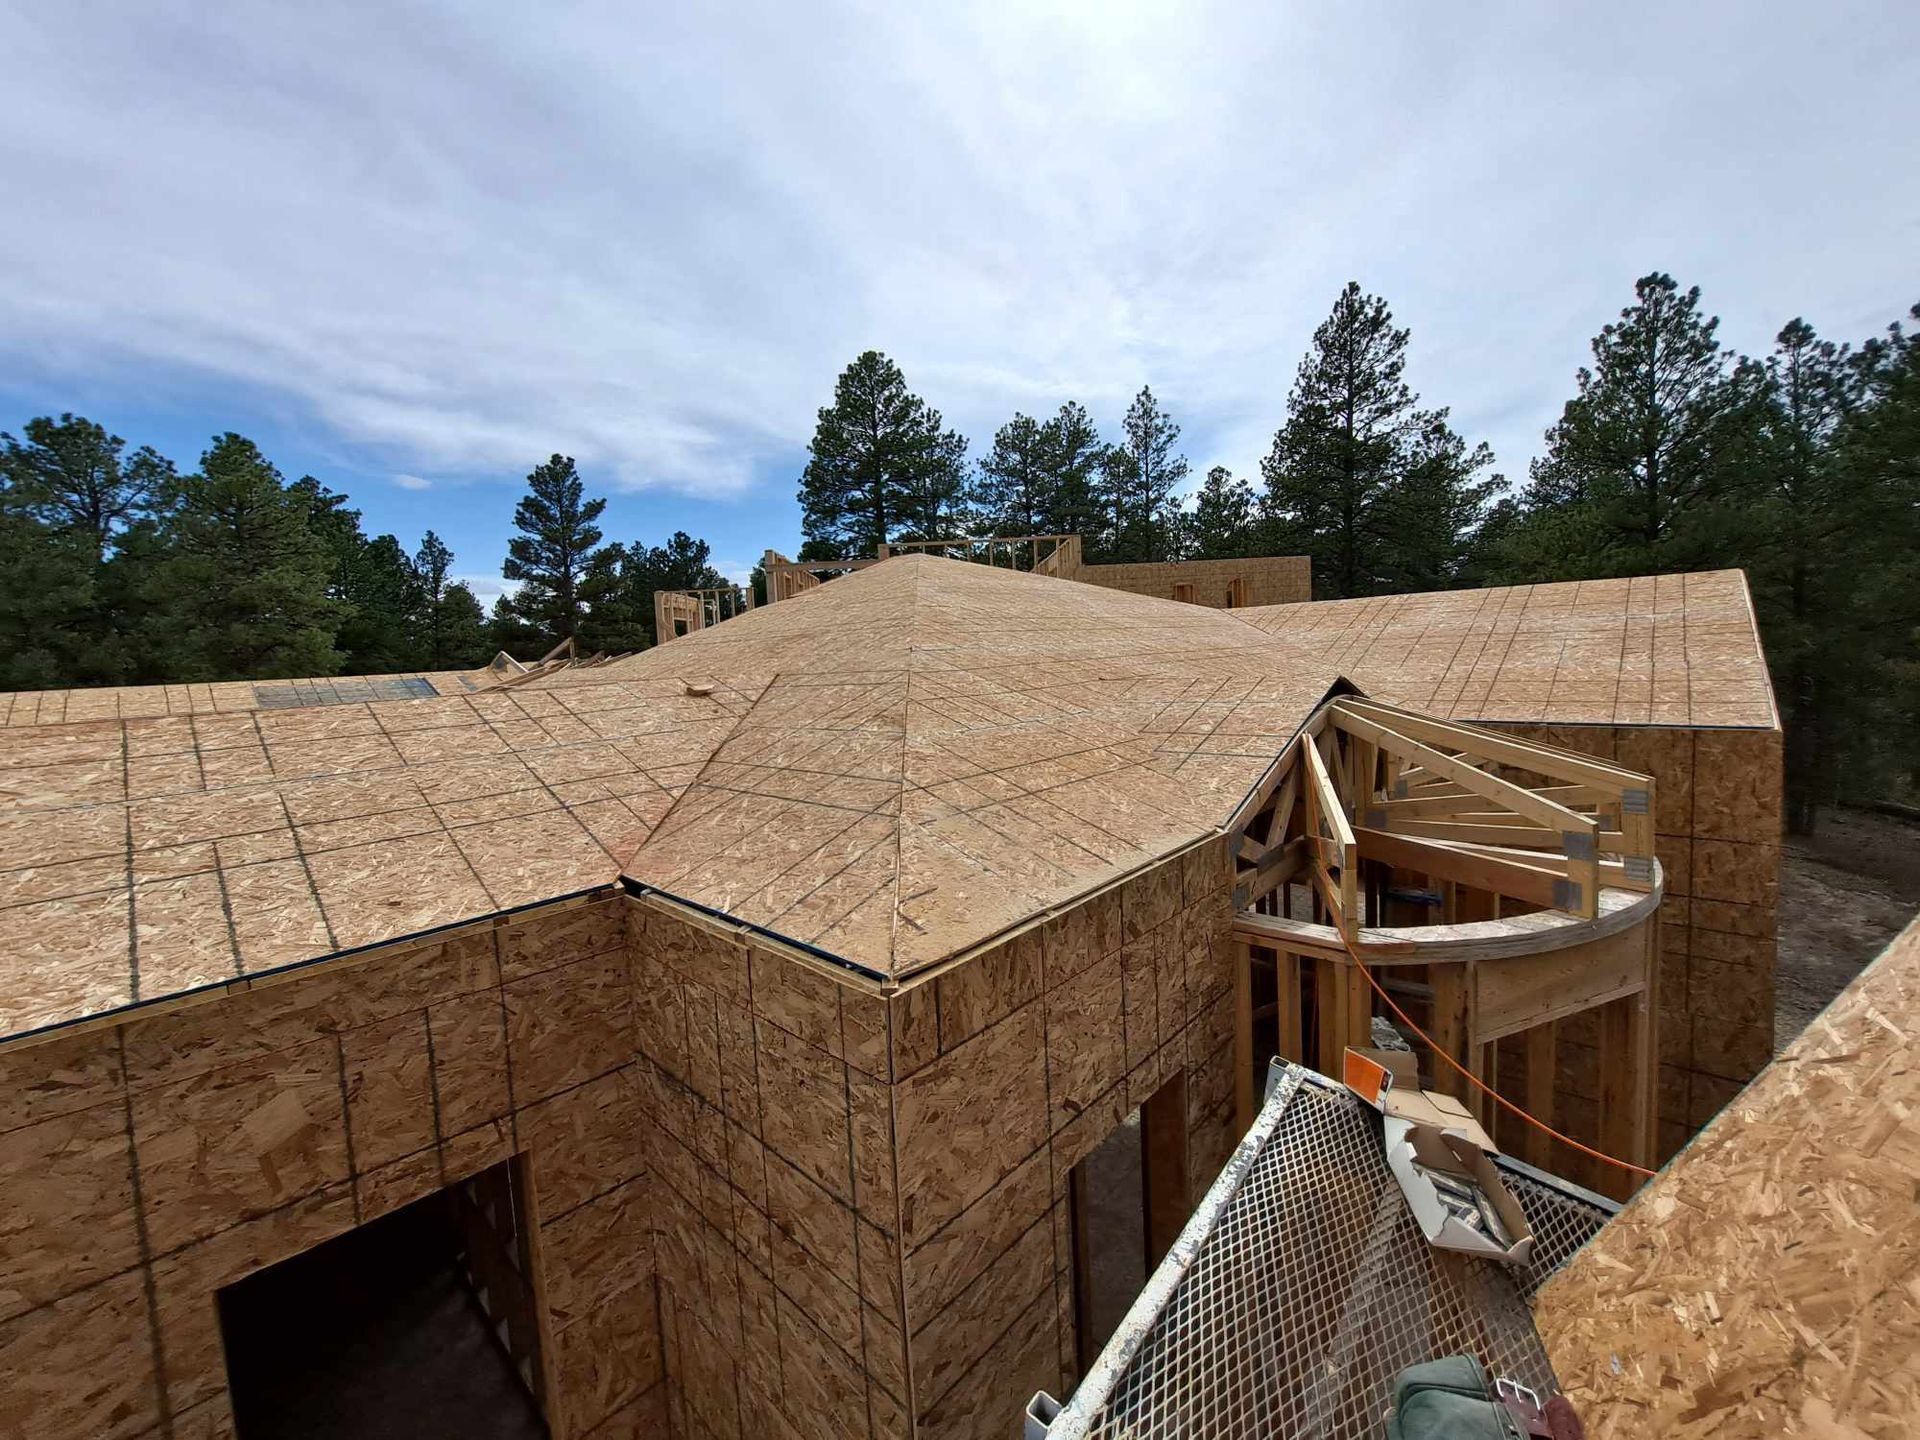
{"points": [[413, 249]]}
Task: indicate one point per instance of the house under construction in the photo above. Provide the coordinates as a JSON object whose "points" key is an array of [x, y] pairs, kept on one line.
{"points": [[760, 1010]]}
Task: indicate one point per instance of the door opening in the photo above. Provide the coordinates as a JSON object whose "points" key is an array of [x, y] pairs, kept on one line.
{"points": [[419, 1324], [1127, 1201]]}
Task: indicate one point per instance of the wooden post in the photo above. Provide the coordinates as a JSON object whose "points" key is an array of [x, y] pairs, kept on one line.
{"points": [[1542, 1050], [1244, 1087], [1329, 1024], [1489, 1114], [1343, 1013], [1453, 987], [1650, 1118], [1288, 1041], [1626, 1072], [1163, 1178]]}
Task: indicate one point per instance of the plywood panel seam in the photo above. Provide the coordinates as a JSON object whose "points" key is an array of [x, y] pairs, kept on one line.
{"points": [[144, 1243]]}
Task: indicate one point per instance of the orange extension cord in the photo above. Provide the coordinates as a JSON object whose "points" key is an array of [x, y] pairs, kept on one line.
{"points": [[1480, 1085]]}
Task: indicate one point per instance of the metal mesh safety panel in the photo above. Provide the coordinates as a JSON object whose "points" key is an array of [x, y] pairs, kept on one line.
{"points": [[1562, 1217], [1314, 1288]]}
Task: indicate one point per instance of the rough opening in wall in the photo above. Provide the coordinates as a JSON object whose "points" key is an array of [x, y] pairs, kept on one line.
{"points": [[1127, 1201], [419, 1324]]}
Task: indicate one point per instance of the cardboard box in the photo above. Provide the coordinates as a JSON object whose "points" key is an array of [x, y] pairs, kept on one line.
{"points": [[1439, 1154]]}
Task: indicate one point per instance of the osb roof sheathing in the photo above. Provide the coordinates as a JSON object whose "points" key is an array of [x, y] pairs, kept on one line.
{"points": [[224, 697], [948, 749], [891, 769], [1656, 650], [148, 857], [1768, 1282]]}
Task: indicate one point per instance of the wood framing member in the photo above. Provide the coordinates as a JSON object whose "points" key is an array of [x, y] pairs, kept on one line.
{"points": [[1627, 1069], [1343, 1010], [1490, 830], [1243, 1077], [1562, 765], [1333, 849], [1629, 794], [1460, 803], [1284, 1012], [1468, 866], [1274, 868], [1455, 991], [1542, 1049], [1165, 1192], [1368, 802], [1465, 774], [1579, 833], [1288, 1021]]}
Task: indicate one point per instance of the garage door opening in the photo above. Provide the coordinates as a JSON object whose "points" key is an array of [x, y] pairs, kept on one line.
{"points": [[420, 1324]]}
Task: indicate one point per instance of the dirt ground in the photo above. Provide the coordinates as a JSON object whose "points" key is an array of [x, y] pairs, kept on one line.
{"points": [[1845, 892]]}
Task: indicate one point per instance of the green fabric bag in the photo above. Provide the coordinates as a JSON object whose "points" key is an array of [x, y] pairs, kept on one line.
{"points": [[1448, 1399]]}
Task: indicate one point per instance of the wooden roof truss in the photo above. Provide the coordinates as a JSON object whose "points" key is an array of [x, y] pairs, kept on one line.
{"points": [[1367, 785]]}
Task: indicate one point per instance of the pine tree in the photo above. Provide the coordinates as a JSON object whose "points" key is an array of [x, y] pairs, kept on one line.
{"points": [[1877, 451], [622, 583], [373, 583], [683, 563], [69, 474], [1431, 516], [69, 485], [1224, 524], [554, 550], [461, 624], [46, 596], [1657, 438], [938, 501], [508, 630], [1113, 487], [240, 583], [880, 466], [1359, 477], [618, 615], [1014, 492], [1142, 474], [1803, 512], [1071, 454], [450, 623]]}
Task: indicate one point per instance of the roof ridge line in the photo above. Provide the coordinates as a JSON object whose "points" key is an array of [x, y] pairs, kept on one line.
{"points": [[900, 799], [623, 861]]}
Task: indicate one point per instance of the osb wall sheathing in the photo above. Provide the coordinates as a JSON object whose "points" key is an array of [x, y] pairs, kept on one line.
{"points": [[1717, 828], [863, 1228], [146, 1165], [1268, 579], [1768, 1283]]}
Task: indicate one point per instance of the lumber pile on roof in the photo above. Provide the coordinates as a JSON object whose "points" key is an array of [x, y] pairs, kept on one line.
{"points": [[1768, 1282], [1654, 650]]}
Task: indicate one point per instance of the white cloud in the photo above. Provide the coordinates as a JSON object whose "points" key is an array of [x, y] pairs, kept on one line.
{"points": [[412, 482], [650, 237], [486, 588]]}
